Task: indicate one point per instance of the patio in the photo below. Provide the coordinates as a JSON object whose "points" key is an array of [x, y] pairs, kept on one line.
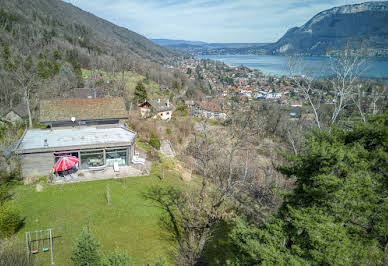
{"points": [[103, 173]]}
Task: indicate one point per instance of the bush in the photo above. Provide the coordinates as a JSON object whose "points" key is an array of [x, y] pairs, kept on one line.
{"points": [[161, 262], [168, 130], [152, 155], [154, 141], [118, 258], [10, 220], [183, 110], [87, 250]]}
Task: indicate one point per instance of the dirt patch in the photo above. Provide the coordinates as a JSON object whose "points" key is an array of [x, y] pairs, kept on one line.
{"points": [[186, 174], [30, 180], [39, 188]]}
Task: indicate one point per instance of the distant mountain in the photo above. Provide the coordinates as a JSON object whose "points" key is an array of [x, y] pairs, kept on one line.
{"points": [[74, 25], [198, 47], [331, 29], [176, 43]]}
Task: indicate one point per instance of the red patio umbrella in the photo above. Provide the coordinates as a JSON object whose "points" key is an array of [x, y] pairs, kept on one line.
{"points": [[65, 163]]}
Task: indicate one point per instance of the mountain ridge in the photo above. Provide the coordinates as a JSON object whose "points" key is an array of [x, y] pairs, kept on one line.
{"points": [[331, 29], [100, 32]]}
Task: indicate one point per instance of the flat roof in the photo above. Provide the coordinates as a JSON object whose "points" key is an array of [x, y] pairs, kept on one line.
{"points": [[34, 139]]}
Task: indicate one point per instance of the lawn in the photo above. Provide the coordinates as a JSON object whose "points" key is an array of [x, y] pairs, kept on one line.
{"points": [[130, 222]]}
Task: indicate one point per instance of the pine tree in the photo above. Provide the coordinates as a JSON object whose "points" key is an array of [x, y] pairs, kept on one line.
{"points": [[119, 258], [338, 212], [140, 92], [87, 250]]}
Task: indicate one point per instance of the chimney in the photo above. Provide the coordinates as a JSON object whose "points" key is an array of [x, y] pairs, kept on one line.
{"points": [[168, 103], [159, 100]]}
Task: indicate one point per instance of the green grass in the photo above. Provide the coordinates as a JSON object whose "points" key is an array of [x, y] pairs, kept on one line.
{"points": [[142, 145], [130, 222], [131, 80]]}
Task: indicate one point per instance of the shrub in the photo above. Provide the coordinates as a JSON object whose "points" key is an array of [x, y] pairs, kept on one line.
{"points": [[154, 141], [10, 220], [161, 262], [118, 258], [183, 110], [168, 130], [86, 250], [152, 155]]}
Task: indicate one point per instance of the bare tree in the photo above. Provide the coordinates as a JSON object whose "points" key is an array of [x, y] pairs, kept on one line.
{"points": [[23, 71], [347, 66], [304, 84], [223, 159], [378, 92]]}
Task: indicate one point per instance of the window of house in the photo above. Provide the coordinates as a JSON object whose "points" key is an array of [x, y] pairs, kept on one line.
{"points": [[116, 155], [92, 159]]}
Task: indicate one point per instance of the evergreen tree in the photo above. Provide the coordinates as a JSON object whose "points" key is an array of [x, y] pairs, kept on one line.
{"points": [[119, 258], [87, 250], [140, 92], [338, 212]]}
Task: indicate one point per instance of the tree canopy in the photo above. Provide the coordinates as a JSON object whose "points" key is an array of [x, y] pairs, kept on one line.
{"points": [[337, 214], [140, 92]]}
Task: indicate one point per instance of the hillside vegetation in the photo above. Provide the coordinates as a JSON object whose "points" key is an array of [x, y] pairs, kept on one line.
{"points": [[45, 44]]}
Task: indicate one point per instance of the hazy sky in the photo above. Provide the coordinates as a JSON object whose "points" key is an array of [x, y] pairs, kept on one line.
{"points": [[209, 21]]}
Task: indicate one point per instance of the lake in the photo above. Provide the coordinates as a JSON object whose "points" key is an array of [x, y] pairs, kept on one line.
{"points": [[319, 66]]}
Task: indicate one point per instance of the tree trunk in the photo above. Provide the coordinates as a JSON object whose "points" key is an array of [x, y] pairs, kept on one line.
{"points": [[27, 100]]}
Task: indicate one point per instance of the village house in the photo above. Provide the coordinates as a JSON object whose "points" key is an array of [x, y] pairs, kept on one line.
{"points": [[296, 104], [208, 109], [157, 109], [78, 111], [88, 129]]}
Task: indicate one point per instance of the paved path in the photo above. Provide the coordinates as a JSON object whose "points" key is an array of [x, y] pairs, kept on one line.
{"points": [[166, 148]]}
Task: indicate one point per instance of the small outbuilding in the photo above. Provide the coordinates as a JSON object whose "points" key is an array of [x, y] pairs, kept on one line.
{"points": [[295, 112]]}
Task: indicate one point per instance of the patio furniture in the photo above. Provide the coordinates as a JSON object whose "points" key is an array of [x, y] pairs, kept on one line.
{"points": [[116, 166], [137, 160], [97, 168]]}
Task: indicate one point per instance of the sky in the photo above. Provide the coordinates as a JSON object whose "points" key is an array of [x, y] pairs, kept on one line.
{"points": [[241, 21]]}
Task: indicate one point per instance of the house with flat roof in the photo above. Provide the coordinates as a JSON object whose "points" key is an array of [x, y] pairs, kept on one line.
{"points": [[87, 129], [94, 146], [82, 111]]}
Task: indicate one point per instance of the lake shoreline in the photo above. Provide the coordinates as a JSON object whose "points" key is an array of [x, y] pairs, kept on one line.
{"points": [[277, 65]]}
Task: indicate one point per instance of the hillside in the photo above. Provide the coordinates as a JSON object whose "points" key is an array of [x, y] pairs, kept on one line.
{"points": [[47, 43], [75, 25], [331, 29]]}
